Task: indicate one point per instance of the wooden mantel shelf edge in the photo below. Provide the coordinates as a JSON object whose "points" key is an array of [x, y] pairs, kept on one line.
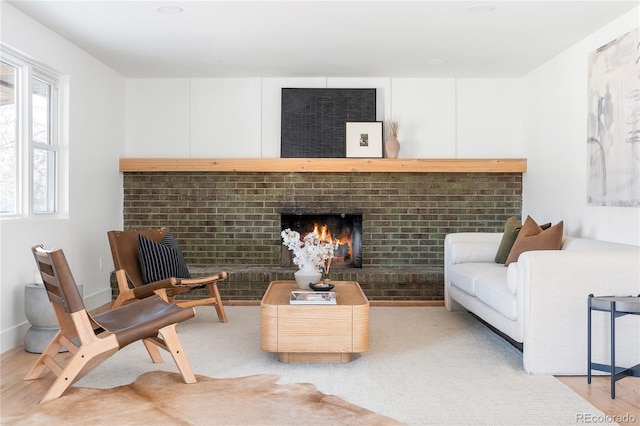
{"points": [[356, 165]]}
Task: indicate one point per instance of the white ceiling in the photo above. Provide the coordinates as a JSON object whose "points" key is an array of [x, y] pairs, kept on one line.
{"points": [[324, 38]]}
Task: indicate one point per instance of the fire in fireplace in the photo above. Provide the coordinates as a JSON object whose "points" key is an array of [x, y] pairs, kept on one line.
{"points": [[344, 228]]}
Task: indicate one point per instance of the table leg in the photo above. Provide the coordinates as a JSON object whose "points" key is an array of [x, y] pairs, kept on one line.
{"points": [[589, 340], [613, 350]]}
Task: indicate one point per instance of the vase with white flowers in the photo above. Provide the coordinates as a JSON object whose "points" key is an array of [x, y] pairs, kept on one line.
{"points": [[311, 254]]}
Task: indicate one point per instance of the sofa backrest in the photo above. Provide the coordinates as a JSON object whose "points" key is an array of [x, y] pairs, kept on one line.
{"points": [[585, 244]]}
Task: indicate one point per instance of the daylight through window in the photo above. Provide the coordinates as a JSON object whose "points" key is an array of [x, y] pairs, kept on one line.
{"points": [[28, 137]]}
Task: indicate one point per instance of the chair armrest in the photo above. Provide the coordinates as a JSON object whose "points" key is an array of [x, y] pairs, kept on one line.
{"points": [[149, 289], [556, 284], [201, 280]]}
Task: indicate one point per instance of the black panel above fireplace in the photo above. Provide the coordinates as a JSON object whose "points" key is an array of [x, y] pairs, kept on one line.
{"points": [[346, 228], [313, 120]]}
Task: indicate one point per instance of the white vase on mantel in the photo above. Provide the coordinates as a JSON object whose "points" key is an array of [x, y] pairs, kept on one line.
{"points": [[307, 274], [392, 147]]}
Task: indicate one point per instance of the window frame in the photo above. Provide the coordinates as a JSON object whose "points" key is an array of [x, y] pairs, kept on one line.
{"points": [[26, 146]]}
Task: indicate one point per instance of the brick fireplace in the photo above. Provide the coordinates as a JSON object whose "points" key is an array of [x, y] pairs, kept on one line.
{"points": [[231, 220]]}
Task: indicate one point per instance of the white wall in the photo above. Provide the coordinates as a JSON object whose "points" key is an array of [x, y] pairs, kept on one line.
{"points": [[164, 131], [486, 114], [93, 141], [553, 102], [227, 117], [426, 109]]}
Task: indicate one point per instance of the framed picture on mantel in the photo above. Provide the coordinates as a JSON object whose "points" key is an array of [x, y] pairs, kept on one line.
{"points": [[364, 139]]}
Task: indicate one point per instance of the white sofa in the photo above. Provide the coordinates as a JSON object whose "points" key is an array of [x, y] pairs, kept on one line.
{"points": [[541, 300]]}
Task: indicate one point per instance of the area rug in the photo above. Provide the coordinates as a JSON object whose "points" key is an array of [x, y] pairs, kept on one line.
{"points": [[160, 398], [424, 365]]}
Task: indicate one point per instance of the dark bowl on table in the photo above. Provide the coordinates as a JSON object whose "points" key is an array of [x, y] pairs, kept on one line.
{"points": [[321, 286]]}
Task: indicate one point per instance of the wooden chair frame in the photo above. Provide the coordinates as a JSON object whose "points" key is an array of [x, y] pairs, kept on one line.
{"points": [[124, 250], [152, 320]]}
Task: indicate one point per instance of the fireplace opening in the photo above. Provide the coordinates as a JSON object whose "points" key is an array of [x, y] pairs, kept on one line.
{"points": [[344, 228]]}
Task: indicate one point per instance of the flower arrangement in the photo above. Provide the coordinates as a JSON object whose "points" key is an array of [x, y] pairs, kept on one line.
{"points": [[310, 251]]}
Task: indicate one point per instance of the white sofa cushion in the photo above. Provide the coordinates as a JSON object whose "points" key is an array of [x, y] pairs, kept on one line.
{"points": [[493, 290], [465, 275]]}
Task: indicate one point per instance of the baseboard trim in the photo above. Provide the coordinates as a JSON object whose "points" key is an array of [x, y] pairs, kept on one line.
{"points": [[406, 303], [395, 303], [13, 336]]}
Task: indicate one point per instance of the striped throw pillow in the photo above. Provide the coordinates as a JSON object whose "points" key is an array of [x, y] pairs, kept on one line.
{"points": [[159, 261]]}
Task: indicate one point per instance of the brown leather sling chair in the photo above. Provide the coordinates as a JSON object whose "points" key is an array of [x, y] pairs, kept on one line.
{"points": [[124, 250], [152, 320]]}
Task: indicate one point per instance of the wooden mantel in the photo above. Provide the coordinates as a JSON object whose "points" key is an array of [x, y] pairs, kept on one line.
{"points": [[376, 165]]}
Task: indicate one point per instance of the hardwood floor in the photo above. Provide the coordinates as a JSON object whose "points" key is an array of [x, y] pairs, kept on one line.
{"points": [[17, 395], [625, 409]]}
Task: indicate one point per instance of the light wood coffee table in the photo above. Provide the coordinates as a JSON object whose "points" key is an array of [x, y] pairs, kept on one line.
{"points": [[314, 333]]}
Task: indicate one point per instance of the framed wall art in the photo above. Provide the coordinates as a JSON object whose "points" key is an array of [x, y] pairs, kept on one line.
{"points": [[613, 123], [364, 139], [312, 120]]}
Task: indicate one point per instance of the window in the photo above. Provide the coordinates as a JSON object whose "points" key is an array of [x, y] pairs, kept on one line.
{"points": [[29, 149]]}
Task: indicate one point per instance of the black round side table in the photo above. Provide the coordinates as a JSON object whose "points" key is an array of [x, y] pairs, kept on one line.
{"points": [[617, 306]]}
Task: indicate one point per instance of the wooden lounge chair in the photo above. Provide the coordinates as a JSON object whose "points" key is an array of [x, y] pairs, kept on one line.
{"points": [[152, 320], [124, 249]]}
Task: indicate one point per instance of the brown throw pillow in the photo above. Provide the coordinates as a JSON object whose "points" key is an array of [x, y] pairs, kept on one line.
{"points": [[511, 231], [533, 237]]}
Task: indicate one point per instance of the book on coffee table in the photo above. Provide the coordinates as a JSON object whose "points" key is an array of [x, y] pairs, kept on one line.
{"points": [[313, 298]]}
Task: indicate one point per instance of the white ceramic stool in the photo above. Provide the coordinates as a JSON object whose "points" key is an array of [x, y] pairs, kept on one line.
{"points": [[40, 315]]}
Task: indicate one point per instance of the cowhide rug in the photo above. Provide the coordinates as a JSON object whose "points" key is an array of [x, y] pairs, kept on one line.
{"points": [[161, 398]]}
